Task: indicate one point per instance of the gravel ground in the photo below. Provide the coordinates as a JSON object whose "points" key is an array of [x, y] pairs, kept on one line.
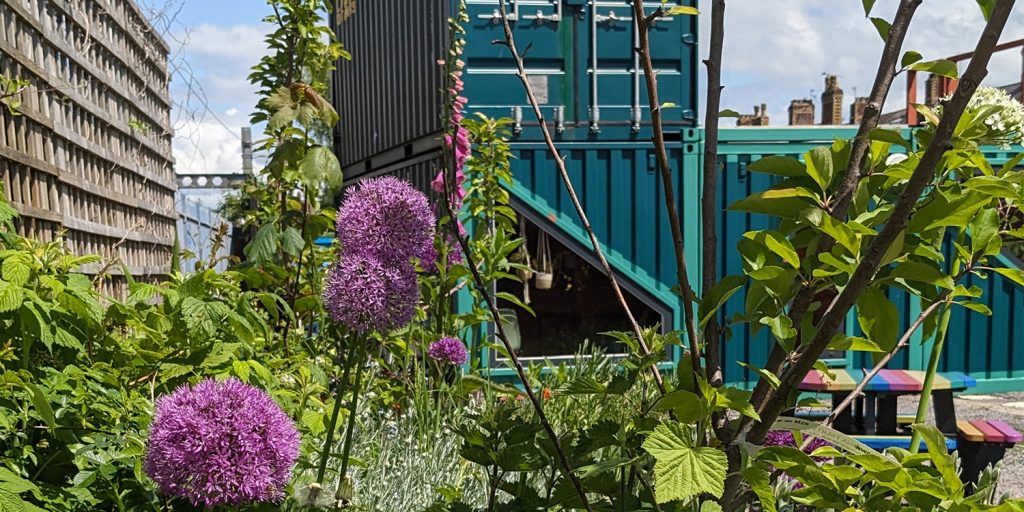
{"points": [[1008, 407]]}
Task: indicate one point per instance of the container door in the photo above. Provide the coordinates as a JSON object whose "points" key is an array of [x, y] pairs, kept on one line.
{"points": [[542, 36], [616, 92]]}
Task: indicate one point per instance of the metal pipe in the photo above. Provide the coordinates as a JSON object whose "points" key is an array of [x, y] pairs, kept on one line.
{"points": [[635, 113], [595, 109]]}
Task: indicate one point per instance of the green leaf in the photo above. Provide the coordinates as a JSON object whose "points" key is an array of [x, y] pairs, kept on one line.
{"points": [[681, 472], [836, 229], [717, 295], [780, 202], [937, 67], [941, 212], [891, 136], [939, 456], [17, 268], [764, 374], [986, 7], [291, 241], [42, 405], [882, 26], [984, 228], [320, 164], [759, 480], [856, 343], [11, 296], [922, 273], [779, 165], [688, 406], [868, 4], [1014, 274], [263, 245], [728, 113], [819, 166], [878, 318], [680, 9], [909, 58]]}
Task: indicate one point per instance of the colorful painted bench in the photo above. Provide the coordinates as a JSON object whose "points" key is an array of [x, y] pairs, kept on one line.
{"points": [[982, 443], [886, 381], [876, 413], [880, 443]]}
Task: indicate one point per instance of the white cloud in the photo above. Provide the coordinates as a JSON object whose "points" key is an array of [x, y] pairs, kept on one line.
{"points": [[778, 50]]}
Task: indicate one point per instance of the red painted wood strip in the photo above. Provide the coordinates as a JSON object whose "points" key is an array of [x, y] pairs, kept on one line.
{"points": [[992, 434], [1012, 436], [898, 381], [813, 381]]}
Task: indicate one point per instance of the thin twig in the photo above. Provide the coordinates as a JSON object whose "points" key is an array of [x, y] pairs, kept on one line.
{"points": [[660, 152], [941, 142], [560, 164], [449, 180]]}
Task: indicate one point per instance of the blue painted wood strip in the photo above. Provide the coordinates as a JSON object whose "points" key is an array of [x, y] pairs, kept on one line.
{"points": [[883, 442]]}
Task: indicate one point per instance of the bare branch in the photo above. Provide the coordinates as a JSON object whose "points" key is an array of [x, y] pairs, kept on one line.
{"points": [[685, 291]]}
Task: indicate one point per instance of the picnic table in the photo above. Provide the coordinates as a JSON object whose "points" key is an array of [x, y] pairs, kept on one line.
{"points": [[876, 411]]}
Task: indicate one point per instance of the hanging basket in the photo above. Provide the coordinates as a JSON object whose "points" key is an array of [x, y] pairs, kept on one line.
{"points": [[545, 275]]}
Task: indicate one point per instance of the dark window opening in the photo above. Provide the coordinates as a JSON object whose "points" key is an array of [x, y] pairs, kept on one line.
{"points": [[578, 307]]}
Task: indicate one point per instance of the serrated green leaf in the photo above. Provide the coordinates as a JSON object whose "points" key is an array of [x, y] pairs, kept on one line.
{"points": [[321, 165], [11, 296], [17, 268], [263, 245], [291, 241], [758, 479], [681, 472]]}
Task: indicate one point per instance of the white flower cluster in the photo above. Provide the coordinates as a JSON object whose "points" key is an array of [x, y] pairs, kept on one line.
{"points": [[1007, 124]]}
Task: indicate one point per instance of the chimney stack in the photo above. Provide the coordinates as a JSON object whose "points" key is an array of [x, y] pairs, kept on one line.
{"points": [[857, 109], [832, 102], [933, 90], [247, 150], [801, 112], [760, 117]]}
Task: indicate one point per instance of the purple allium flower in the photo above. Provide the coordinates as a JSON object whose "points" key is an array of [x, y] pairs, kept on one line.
{"points": [[367, 295], [221, 443], [387, 219], [448, 350]]}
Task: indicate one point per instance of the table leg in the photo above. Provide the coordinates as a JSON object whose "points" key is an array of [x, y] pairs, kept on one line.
{"points": [[886, 415], [844, 422], [870, 416], [945, 414], [858, 413]]}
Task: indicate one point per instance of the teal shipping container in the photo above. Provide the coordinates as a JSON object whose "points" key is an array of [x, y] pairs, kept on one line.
{"points": [[578, 53]]}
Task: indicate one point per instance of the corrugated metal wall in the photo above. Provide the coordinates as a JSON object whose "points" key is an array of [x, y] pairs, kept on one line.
{"points": [[197, 225]]}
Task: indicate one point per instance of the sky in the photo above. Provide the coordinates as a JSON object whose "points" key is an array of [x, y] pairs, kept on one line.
{"points": [[775, 50]]}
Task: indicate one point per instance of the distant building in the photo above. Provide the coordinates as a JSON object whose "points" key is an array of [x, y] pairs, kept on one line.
{"points": [[832, 102], [759, 118], [857, 109], [801, 112], [90, 152]]}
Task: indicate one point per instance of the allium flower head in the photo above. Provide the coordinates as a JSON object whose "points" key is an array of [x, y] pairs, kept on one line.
{"points": [[448, 350], [221, 443], [387, 219], [366, 295]]}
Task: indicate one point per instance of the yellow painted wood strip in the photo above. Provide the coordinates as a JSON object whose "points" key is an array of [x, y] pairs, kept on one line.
{"points": [[940, 383], [844, 381], [970, 432]]}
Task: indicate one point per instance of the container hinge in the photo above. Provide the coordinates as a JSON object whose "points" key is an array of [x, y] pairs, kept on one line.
{"points": [[636, 119], [595, 120], [517, 116], [559, 119], [541, 18], [611, 18], [495, 17]]}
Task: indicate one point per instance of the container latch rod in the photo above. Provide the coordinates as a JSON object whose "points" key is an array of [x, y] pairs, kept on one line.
{"points": [[559, 120], [595, 120], [517, 116]]}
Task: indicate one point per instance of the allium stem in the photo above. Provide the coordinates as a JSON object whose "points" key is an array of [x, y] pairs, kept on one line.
{"points": [[339, 392], [360, 357]]}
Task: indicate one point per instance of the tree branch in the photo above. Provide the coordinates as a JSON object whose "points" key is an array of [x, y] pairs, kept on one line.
{"points": [[685, 291], [884, 77], [510, 43], [865, 271]]}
